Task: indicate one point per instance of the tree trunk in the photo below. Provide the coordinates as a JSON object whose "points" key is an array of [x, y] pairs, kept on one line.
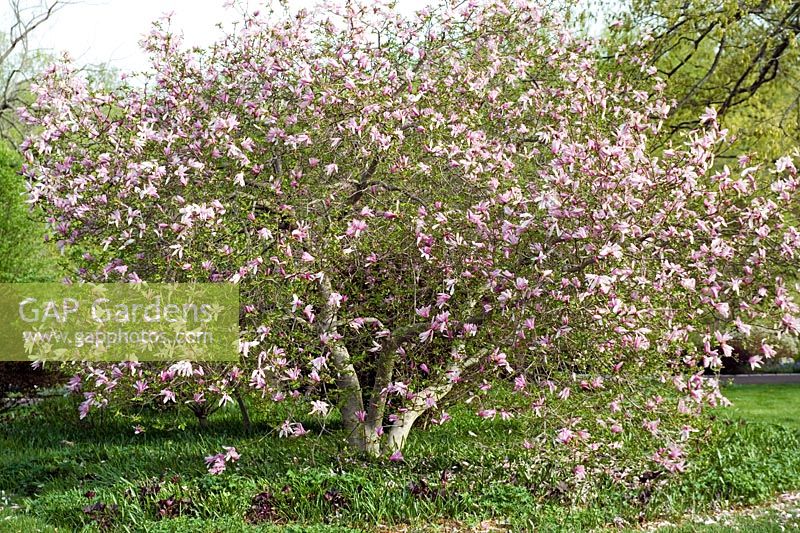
{"points": [[384, 370], [363, 436], [377, 400], [243, 408], [351, 401], [201, 414], [372, 441], [424, 400]]}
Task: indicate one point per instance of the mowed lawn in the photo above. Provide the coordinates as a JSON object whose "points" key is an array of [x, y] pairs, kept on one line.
{"points": [[774, 404], [58, 473], [755, 404]]}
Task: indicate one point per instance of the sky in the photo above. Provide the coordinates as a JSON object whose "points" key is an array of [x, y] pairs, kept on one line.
{"points": [[108, 31]]}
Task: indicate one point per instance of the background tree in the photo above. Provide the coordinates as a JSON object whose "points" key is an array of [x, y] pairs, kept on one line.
{"points": [[19, 60], [739, 57], [24, 257], [23, 253]]}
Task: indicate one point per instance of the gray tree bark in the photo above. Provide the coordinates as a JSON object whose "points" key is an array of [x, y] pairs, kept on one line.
{"points": [[350, 398]]}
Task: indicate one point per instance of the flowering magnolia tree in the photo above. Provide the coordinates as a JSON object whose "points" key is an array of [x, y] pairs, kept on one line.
{"points": [[419, 208]]}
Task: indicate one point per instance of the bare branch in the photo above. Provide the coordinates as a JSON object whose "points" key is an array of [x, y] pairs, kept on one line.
{"points": [[21, 29]]}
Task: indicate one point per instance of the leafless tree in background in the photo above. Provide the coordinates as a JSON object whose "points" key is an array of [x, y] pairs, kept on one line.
{"points": [[18, 58]]}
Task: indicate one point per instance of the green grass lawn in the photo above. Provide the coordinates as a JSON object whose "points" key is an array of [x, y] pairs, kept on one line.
{"points": [[756, 404], [766, 522], [54, 467], [774, 404]]}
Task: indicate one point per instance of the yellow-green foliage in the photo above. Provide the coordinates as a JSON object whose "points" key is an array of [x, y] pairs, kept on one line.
{"points": [[739, 57], [23, 253]]}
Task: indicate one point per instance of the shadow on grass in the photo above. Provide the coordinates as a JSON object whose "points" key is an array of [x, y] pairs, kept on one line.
{"points": [[469, 470]]}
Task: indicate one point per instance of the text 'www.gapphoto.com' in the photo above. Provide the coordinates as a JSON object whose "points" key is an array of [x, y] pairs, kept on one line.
{"points": [[80, 339]]}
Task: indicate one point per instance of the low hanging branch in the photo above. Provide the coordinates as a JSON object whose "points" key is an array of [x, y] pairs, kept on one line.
{"points": [[429, 397]]}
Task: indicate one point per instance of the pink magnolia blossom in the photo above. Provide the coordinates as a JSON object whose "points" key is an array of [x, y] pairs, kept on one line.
{"points": [[217, 464], [396, 456], [355, 228]]}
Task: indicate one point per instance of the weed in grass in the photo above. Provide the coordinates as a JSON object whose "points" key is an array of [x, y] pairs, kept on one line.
{"points": [[102, 514], [263, 508]]}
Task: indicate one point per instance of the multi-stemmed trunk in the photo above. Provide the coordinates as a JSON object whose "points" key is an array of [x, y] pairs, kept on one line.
{"points": [[367, 435]]}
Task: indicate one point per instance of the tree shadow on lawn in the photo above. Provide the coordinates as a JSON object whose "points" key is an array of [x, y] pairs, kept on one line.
{"points": [[54, 460], [47, 446], [55, 421]]}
